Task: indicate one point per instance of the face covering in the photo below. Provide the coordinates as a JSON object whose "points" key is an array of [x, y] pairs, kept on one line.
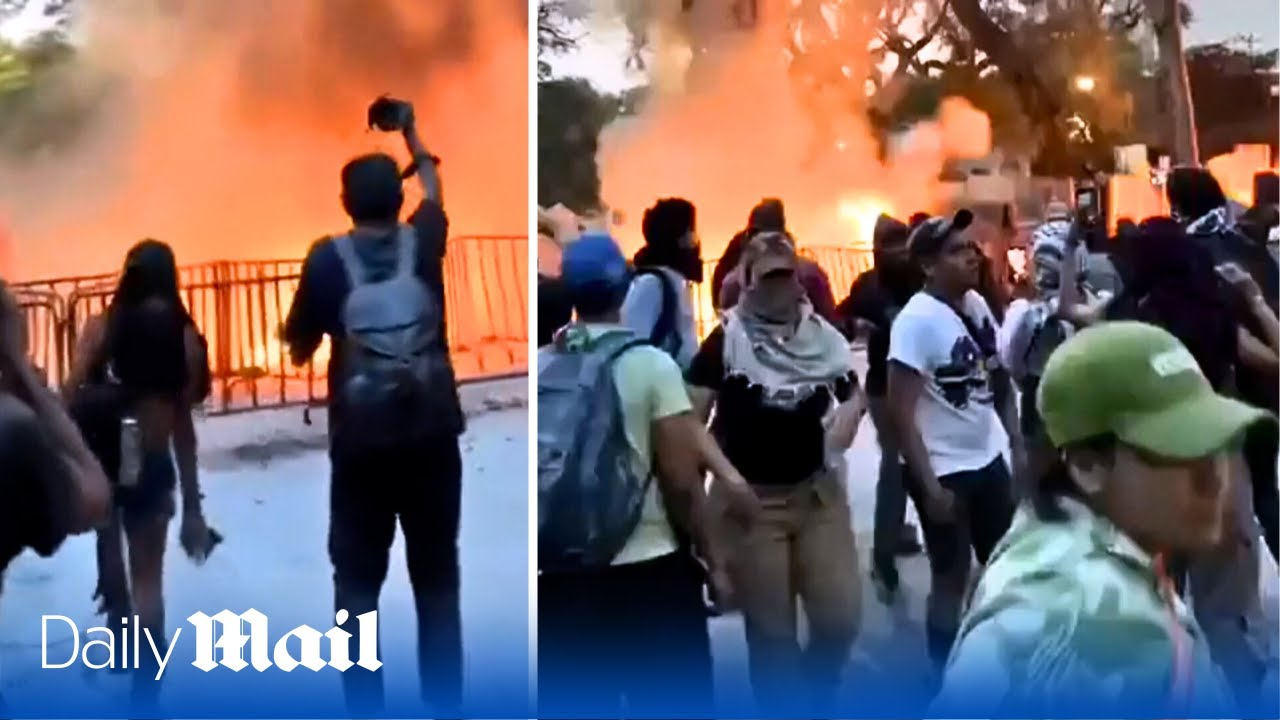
{"points": [[774, 301], [690, 265]]}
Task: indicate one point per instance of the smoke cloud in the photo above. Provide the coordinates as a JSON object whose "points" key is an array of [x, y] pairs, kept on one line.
{"points": [[224, 124], [730, 123]]}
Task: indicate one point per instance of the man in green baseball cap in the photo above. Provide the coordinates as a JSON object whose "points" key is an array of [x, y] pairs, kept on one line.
{"points": [[1075, 613]]}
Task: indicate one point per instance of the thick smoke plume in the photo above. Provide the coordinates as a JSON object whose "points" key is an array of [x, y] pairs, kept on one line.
{"points": [[730, 123], [225, 124]]}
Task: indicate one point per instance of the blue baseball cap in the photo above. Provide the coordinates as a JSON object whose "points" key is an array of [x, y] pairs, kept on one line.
{"points": [[594, 260]]}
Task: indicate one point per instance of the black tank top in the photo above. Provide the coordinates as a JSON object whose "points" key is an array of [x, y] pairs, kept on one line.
{"points": [[145, 349]]}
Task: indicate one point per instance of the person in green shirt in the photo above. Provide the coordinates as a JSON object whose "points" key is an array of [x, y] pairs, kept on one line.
{"points": [[1075, 614]]}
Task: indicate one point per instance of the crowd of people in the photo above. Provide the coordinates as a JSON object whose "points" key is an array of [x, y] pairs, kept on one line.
{"points": [[107, 452], [1103, 445]]}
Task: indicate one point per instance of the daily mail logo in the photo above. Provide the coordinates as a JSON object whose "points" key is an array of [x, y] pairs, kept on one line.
{"points": [[220, 640]]}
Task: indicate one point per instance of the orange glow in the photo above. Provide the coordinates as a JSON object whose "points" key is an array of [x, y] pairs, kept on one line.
{"points": [[1235, 170], [224, 125], [740, 127], [1136, 197], [861, 212]]}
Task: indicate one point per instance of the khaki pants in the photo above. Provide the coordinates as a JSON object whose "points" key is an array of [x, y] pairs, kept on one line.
{"points": [[801, 549]]}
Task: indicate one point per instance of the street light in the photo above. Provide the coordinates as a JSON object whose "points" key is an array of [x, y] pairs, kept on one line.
{"points": [[1085, 83]]}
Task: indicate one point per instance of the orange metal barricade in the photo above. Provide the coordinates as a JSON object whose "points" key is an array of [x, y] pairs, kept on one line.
{"points": [[240, 306], [842, 266]]}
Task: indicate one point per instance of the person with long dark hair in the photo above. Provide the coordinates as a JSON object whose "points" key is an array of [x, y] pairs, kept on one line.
{"points": [[1198, 202], [137, 370]]}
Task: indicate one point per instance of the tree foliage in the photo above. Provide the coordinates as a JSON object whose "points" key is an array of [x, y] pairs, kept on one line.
{"points": [[571, 115], [1231, 90], [552, 36], [40, 107]]}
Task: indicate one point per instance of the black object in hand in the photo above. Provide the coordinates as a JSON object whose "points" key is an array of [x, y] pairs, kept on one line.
{"points": [[213, 540], [389, 114]]}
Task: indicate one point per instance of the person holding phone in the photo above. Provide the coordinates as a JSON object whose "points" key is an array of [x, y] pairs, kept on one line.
{"points": [[420, 469]]}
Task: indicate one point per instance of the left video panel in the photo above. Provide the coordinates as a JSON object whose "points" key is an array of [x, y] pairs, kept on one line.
{"points": [[263, 397]]}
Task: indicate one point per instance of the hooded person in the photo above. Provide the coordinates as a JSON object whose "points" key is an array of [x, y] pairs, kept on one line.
{"points": [[658, 305], [874, 300], [1198, 203], [1197, 200], [768, 217]]}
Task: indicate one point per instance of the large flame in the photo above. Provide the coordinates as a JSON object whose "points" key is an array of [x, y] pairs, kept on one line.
{"points": [[733, 121], [225, 124]]}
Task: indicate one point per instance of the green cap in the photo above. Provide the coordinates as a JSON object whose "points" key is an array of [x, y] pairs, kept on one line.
{"points": [[1139, 383]]}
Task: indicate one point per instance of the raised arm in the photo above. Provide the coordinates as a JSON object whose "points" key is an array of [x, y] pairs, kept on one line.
{"points": [[428, 165]]}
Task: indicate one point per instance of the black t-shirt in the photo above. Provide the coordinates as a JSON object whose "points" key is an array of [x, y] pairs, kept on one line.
{"points": [[768, 445], [871, 300], [146, 347], [38, 495]]}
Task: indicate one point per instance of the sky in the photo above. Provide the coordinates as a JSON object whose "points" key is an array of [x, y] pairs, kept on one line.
{"points": [[600, 55]]}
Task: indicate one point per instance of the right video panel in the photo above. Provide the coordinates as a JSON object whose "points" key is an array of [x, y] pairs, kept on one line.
{"points": [[880, 360]]}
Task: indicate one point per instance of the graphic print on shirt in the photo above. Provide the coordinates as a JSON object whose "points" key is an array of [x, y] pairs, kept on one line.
{"points": [[964, 379]]}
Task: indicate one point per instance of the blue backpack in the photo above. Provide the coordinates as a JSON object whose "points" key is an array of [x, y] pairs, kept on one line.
{"points": [[589, 495]]}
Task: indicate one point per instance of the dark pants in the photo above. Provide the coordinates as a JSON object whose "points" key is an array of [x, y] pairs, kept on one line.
{"points": [[1041, 453], [983, 511], [625, 639], [891, 492], [421, 486], [1261, 444]]}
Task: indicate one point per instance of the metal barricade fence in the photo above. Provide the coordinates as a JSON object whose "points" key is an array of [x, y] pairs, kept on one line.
{"points": [[240, 307], [842, 266]]}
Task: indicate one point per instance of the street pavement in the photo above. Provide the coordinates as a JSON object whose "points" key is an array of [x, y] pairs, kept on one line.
{"points": [[890, 650], [265, 476]]}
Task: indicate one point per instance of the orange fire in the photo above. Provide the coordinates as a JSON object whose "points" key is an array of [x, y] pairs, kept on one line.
{"points": [[224, 126], [739, 127]]}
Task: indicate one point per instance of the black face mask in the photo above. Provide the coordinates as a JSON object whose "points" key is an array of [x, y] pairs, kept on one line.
{"points": [[691, 264]]}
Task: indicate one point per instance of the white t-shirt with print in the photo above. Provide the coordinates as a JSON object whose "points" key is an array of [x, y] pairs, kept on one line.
{"points": [[956, 414]]}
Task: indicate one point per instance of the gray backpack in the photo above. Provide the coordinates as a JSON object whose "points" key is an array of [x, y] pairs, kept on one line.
{"points": [[397, 379], [589, 496]]}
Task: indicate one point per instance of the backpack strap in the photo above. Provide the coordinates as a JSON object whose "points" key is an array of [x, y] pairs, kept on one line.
{"points": [[345, 246], [665, 327], [593, 367], [406, 252]]}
